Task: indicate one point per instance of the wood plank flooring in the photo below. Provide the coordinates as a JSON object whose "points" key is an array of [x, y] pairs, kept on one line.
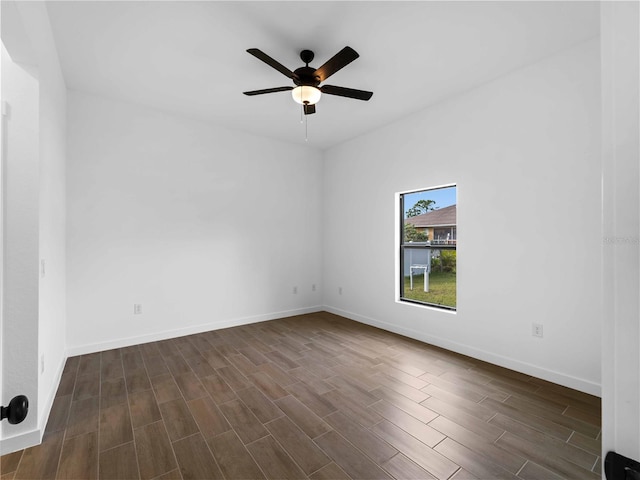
{"points": [[315, 396]]}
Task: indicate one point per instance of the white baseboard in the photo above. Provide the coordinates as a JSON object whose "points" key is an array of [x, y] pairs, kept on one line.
{"points": [[21, 441], [46, 411], [506, 362], [181, 332]]}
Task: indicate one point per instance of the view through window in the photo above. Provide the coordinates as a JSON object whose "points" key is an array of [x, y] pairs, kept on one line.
{"points": [[428, 241]]}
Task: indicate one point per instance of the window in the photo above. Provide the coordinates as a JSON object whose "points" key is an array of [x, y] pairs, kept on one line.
{"points": [[428, 241]]}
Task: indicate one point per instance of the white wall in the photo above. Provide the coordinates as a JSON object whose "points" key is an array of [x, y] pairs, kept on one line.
{"points": [[524, 151], [620, 27], [52, 207], [20, 242], [203, 226], [34, 320]]}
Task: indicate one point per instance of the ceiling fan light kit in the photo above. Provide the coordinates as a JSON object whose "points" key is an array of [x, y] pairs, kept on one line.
{"points": [[308, 91], [306, 95]]}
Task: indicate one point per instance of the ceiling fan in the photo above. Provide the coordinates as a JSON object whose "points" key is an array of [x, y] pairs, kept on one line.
{"points": [[308, 79]]}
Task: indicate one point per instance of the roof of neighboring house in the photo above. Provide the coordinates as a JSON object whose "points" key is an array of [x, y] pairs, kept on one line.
{"points": [[441, 217]]}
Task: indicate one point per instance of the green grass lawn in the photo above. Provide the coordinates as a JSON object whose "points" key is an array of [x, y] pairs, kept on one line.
{"points": [[442, 289]]}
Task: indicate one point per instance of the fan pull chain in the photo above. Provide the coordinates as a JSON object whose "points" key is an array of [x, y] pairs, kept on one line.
{"points": [[301, 113], [306, 128]]}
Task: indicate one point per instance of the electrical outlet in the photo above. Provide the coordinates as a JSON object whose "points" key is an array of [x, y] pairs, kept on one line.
{"points": [[42, 363], [295, 290], [137, 309], [536, 330], [313, 287], [339, 290], [42, 268]]}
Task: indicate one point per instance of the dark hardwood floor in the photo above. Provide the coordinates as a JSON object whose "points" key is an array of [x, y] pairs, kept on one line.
{"points": [[316, 396]]}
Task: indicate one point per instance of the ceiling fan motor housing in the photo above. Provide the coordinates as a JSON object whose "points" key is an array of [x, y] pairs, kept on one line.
{"points": [[305, 76]]}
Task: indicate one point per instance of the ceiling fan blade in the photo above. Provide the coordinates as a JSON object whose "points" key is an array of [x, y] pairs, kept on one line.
{"points": [[346, 92], [267, 90], [309, 109], [260, 55], [340, 60]]}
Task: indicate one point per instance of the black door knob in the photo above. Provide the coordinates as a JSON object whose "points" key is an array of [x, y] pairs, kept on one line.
{"points": [[17, 410]]}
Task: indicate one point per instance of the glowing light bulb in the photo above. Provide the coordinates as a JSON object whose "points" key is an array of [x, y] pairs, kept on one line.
{"points": [[306, 95]]}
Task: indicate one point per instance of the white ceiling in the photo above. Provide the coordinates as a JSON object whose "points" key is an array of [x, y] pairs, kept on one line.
{"points": [[189, 57]]}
